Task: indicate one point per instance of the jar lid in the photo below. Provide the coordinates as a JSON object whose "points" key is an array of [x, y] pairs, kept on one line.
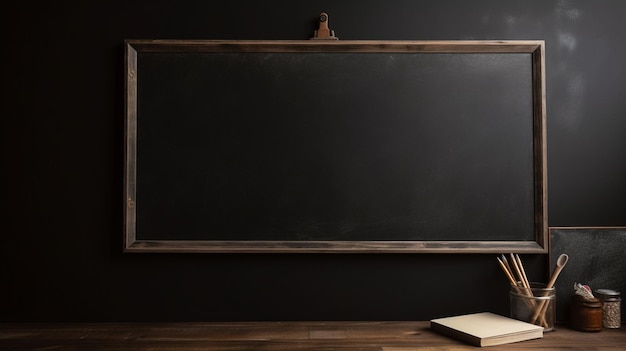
{"points": [[592, 302], [607, 292]]}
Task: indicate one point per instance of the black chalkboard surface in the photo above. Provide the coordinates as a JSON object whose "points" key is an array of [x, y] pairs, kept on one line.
{"points": [[596, 259], [354, 146]]}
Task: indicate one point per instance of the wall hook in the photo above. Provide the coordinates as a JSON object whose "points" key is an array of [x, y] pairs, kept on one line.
{"points": [[323, 32]]}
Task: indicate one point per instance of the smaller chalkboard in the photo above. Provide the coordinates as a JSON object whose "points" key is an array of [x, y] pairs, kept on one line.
{"points": [[596, 258]]}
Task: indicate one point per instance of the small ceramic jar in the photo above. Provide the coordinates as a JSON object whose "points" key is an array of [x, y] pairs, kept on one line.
{"points": [[586, 314]]}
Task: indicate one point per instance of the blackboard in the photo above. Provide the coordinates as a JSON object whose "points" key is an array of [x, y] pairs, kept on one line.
{"points": [[338, 146], [596, 259]]}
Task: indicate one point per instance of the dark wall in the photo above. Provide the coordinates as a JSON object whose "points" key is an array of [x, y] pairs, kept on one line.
{"points": [[62, 158]]}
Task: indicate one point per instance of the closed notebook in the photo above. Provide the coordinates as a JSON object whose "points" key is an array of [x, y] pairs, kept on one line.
{"points": [[486, 329]]}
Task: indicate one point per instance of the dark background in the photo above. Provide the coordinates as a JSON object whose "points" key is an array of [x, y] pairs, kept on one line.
{"points": [[305, 146], [62, 157]]}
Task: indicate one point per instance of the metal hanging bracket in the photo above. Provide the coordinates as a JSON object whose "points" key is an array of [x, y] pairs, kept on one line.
{"points": [[323, 32]]}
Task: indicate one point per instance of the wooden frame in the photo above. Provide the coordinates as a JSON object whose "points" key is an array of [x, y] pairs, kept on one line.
{"points": [[535, 50]]}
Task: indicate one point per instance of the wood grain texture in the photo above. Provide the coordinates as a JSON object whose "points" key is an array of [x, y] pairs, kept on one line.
{"points": [[275, 336], [191, 246], [437, 46]]}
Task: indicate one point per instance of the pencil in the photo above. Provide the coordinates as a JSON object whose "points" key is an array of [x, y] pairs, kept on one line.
{"points": [[507, 272], [523, 271]]}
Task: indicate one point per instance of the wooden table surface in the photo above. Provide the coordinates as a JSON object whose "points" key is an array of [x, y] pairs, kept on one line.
{"points": [[276, 336]]}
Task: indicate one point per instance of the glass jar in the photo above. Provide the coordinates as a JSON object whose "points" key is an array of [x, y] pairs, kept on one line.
{"points": [[536, 305], [586, 314], [611, 305]]}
